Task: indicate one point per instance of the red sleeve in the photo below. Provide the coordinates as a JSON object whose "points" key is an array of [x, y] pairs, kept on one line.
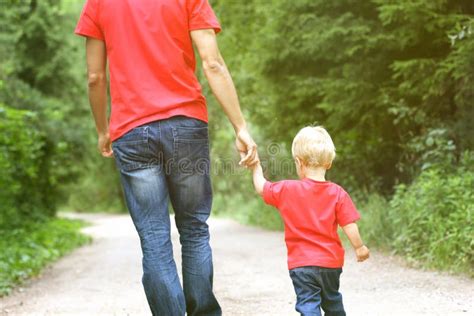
{"points": [[346, 211], [273, 192], [88, 24], [201, 16]]}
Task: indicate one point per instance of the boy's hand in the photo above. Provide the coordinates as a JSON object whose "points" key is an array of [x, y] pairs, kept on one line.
{"points": [[256, 163], [362, 253]]}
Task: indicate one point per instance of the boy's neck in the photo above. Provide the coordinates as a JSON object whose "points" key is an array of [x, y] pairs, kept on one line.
{"points": [[317, 174]]}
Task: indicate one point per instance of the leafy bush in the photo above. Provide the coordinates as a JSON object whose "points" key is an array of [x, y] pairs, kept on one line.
{"points": [[25, 251], [41, 74], [433, 218], [429, 222], [24, 180]]}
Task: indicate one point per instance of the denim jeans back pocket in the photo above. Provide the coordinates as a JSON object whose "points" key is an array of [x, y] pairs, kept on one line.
{"points": [[132, 150], [137, 135], [191, 134], [191, 150]]}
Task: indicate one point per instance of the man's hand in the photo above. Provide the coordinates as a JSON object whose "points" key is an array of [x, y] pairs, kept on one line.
{"points": [[247, 149], [362, 253], [105, 145]]}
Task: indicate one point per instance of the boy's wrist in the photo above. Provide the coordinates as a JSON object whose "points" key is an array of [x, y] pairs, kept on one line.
{"points": [[258, 167], [357, 247]]}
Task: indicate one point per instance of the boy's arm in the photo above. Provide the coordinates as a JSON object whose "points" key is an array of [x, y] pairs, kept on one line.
{"points": [[352, 232], [258, 178]]}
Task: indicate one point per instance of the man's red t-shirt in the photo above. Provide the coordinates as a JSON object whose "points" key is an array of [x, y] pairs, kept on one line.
{"points": [[311, 211], [151, 57]]}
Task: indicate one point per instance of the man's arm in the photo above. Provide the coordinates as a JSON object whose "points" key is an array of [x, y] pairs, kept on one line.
{"points": [[97, 80], [352, 232], [223, 88]]}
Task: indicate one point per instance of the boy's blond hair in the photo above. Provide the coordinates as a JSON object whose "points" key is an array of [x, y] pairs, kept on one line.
{"points": [[314, 147]]}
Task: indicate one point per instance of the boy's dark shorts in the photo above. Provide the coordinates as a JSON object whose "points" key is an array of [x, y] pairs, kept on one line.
{"points": [[316, 288]]}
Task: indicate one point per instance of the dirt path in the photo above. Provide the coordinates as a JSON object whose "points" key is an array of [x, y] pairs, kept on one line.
{"points": [[250, 278]]}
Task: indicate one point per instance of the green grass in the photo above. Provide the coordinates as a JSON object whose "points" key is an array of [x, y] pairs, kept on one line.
{"points": [[25, 251], [376, 228]]}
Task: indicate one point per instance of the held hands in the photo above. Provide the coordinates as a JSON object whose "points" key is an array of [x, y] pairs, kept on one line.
{"points": [[362, 253], [247, 149], [105, 145]]}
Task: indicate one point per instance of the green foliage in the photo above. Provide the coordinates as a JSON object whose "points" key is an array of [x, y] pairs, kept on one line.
{"points": [[25, 251], [434, 217], [38, 46], [429, 222], [376, 227], [39, 75], [378, 74], [25, 183], [98, 189], [42, 136]]}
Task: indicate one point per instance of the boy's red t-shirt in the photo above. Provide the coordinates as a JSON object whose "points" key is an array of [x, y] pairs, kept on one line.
{"points": [[311, 211], [151, 57]]}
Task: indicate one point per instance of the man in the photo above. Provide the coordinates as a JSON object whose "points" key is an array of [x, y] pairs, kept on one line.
{"points": [[158, 132]]}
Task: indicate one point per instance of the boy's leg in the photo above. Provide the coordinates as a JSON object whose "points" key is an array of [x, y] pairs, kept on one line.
{"points": [[146, 193], [191, 196], [307, 289], [331, 298]]}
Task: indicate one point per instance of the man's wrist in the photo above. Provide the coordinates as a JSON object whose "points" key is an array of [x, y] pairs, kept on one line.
{"points": [[240, 128], [102, 133]]}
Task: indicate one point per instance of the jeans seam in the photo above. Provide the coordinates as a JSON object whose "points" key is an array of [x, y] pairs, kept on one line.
{"points": [[146, 136], [174, 132]]}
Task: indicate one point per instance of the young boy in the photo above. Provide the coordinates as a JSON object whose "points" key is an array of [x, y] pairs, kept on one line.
{"points": [[311, 209]]}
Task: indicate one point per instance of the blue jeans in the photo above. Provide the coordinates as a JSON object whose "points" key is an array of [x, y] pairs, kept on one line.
{"points": [[317, 288], [163, 161]]}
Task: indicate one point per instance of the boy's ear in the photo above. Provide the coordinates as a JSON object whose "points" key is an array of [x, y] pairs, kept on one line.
{"points": [[298, 162], [328, 166]]}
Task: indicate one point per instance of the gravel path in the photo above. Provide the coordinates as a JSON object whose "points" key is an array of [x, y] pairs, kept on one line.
{"points": [[250, 278]]}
